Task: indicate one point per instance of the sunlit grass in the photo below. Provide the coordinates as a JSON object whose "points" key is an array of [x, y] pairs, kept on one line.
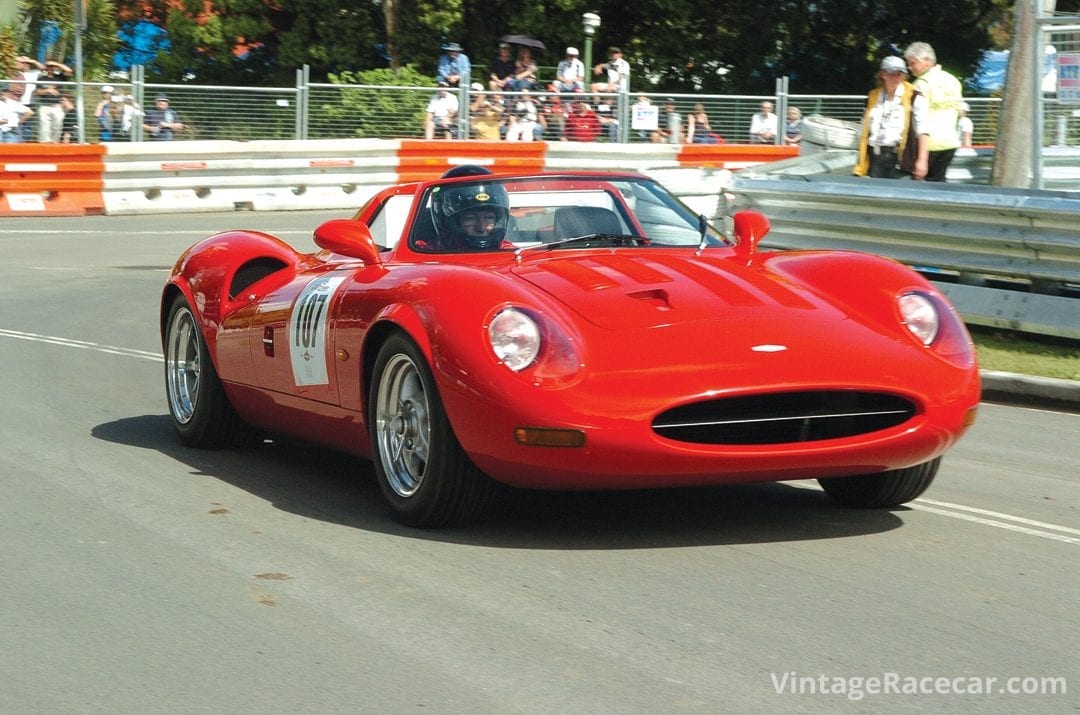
{"points": [[1027, 354]]}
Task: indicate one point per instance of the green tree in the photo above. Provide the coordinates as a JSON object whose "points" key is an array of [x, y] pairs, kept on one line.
{"points": [[673, 45], [205, 40], [99, 40], [366, 111], [328, 35]]}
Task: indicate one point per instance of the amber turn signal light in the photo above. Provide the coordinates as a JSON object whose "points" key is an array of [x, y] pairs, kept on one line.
{"points": [[547, 437]]}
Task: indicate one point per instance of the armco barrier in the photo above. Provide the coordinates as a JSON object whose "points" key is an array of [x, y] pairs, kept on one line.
{"points": [[160, 177], [1007, 258], [51, 179], [173, 177]]}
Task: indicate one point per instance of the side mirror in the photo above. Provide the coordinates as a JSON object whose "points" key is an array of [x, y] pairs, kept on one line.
{"points": [[348, 238], [750, 227]]}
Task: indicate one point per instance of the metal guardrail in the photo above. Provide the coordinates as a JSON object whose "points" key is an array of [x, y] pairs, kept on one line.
{"points": [[1006, 257]]}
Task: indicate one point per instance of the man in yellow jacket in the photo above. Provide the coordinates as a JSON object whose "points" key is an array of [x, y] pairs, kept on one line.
{"points": [[943, 96]]}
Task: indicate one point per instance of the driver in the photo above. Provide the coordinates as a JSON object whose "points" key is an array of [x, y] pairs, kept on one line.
{"points": [[471, 217]]}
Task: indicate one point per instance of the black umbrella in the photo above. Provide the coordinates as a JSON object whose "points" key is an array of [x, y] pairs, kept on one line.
{"points": [[523, 40]]}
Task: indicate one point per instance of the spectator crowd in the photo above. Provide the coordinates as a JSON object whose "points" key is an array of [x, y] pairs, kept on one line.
{"points": [[514, 99], [34, 108]]}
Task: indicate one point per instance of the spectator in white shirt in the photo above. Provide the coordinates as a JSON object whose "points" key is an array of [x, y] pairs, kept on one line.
{"points": [[440, 115], [763, 125]]}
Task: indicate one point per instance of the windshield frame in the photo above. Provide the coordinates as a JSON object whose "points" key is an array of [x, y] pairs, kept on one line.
{"points": [[644, 209]]}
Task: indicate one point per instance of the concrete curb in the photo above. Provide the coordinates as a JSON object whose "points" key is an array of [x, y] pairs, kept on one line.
{"points": [[1030, 390]]}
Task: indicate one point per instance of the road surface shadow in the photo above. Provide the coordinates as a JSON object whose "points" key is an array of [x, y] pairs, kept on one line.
{"points": [[317, 483]]}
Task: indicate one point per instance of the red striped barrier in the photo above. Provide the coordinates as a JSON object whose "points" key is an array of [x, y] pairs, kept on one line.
{"points": [[51, 179], [421, 160], [733, 156]]}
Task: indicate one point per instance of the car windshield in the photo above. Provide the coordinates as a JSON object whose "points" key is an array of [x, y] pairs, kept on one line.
{"points": [[554, 213]]}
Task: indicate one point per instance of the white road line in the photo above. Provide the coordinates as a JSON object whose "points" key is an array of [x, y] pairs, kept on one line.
{"points": [[82, 344], [1002, 524], [1000, 520], [998, 515], [969, 513]]}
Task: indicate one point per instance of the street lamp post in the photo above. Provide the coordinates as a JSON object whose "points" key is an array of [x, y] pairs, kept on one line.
{"points": [[591, 21]]}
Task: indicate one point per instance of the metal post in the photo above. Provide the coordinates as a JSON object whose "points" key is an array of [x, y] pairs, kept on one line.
{"points": [[301, 102], [590, 22], [622, 113], [464, 99], [137, 75], [80, 27], [781, 109], [1039, 52]]}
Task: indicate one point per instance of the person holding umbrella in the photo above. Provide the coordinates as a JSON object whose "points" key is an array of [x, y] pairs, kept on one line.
{"points": [[525, 66], [501, 78], [524, 69]]}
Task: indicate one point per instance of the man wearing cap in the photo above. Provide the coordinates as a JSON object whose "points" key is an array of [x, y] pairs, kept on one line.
{"points": [[453, 65], [617, 71], [161, 121], [101, 112], [943, 95], [570, 74], [893, 129]]}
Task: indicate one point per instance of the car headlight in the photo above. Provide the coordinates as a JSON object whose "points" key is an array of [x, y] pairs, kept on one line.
{"points": [[920, 315], [515, 338]]}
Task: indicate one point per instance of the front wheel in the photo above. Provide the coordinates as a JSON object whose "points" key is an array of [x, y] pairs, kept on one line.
{"points": [[200, 410], [871, 491], [423, 472]]}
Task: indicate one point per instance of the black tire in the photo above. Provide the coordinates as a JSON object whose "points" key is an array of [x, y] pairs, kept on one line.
{"points": [[424, 474], [872, 491], [200, 410]]}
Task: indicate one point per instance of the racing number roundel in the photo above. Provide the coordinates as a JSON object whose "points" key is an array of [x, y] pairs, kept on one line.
{"points": [[308, 327]]}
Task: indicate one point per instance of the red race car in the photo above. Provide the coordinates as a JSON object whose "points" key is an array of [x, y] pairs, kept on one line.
{"points": [[566, 331]]}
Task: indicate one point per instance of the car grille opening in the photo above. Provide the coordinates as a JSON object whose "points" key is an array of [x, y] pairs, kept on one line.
{"points": [[784, 418]]}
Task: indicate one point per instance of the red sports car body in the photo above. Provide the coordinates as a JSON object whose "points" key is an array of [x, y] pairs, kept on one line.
{"points": [[572, 331]]}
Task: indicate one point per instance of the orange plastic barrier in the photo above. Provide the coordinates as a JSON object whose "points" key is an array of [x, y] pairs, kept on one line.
{"points": [[733, 156], [51, 179], [422, 160]]}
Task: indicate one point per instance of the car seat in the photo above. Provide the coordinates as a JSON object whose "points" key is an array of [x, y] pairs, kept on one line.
{"points": [[574, 221]]}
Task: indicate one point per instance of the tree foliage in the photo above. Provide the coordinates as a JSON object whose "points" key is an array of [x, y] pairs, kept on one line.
{"points": [[737, 46], [99, 40], [369, 112]]}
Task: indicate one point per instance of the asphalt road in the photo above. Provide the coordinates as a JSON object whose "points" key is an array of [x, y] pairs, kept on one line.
{"points": [[140, 576]]}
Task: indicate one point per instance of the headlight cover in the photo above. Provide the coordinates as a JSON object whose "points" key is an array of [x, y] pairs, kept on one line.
{"points": [[515, 338], [920, 315]]}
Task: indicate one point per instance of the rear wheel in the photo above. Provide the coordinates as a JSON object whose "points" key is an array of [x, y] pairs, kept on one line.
{"points": [[423, 472], [200, 410], [891, 488]]}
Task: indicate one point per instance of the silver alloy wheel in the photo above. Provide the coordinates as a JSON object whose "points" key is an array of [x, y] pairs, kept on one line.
{"points": [[403, 425], [183, 365]]}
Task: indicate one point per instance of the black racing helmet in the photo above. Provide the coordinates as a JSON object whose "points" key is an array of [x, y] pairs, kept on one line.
{"points": [[448, 203], [466, 170]]}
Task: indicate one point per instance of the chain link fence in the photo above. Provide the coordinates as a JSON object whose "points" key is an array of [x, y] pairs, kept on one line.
{"points": [[333, 111]]}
